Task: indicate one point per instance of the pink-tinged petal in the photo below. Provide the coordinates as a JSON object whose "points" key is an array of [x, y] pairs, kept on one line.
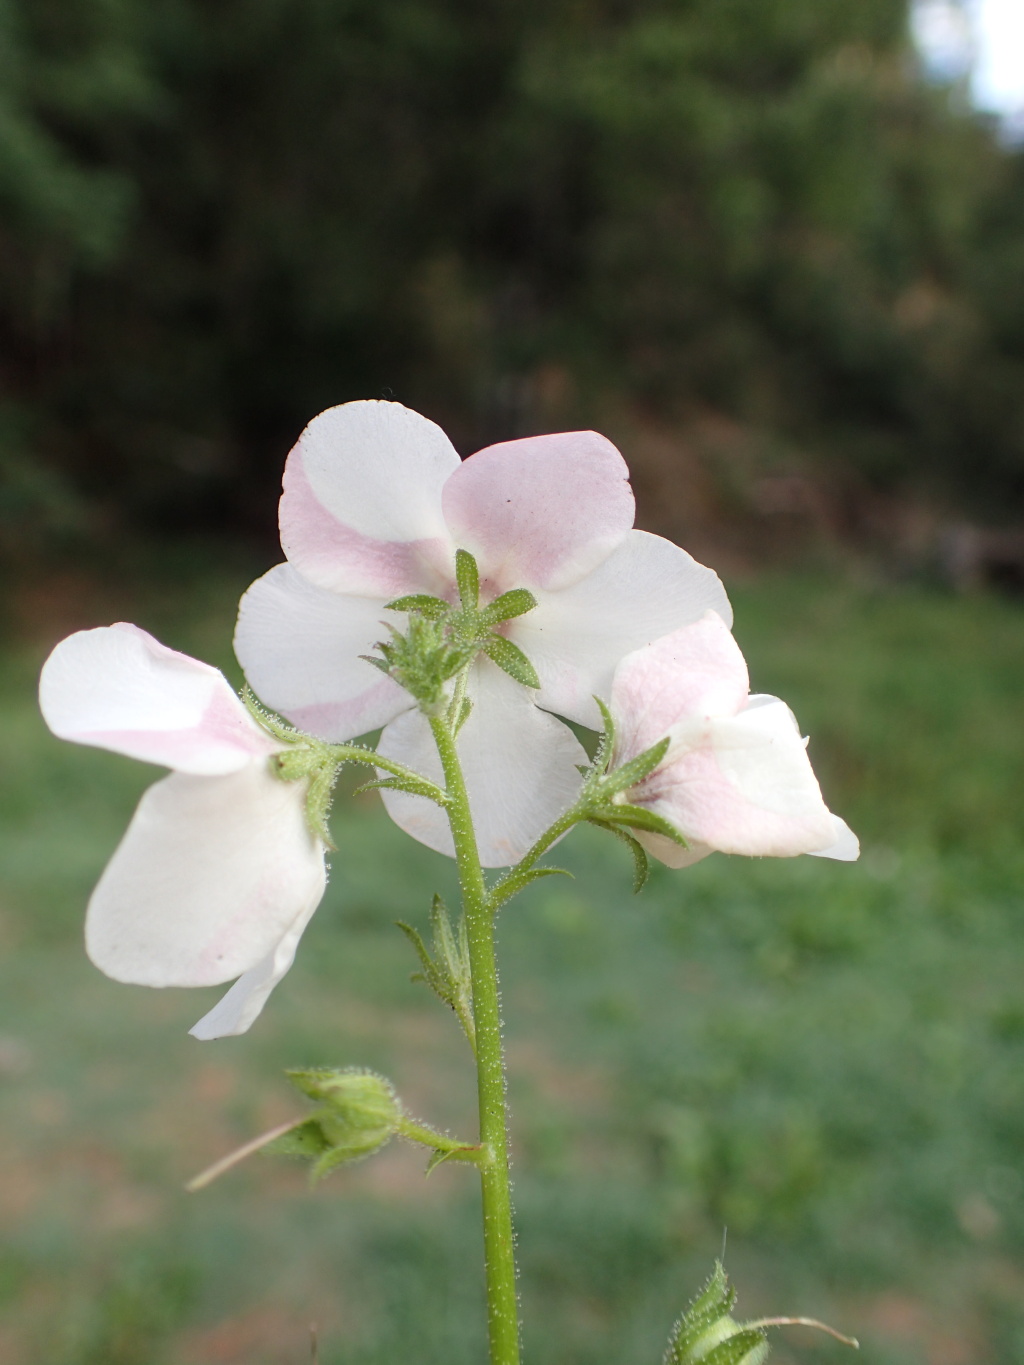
{"points": [[300, 647], [695, 673], [576, 638], [742, 784], [118, 688], [361, 510], [210, 876], [236, 1011], [670, 853], [519, 765], [845, 847], [541, 512]]}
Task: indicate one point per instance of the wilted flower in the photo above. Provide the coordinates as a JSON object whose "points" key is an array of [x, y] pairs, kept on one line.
{"points": [[736, 776], [218, 873], [376, 503]]}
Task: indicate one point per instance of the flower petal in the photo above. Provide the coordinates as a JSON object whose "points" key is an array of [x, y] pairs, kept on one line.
{"points": [[846, 845], [211, 874], [670, 853], [575, 638], [519, 764], [300, 647], [236, 1011], [118, 688], [361, 511], [541, 512], [697, 671], [742, 785]]}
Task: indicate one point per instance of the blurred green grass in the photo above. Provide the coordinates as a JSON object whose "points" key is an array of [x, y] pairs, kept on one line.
{"points": [[827, 1059]]}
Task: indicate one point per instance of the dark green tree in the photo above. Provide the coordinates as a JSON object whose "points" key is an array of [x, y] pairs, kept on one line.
{"points": [[220, 216]]}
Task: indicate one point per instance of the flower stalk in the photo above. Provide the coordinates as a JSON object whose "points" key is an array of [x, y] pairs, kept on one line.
{"points": [[499, 1252], [560, 602]]}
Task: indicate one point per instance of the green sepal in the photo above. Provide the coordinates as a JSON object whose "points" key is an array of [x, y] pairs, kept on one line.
{"points": [[304, 1140], [629, 774], [606, 743], [707, 1335], [274, 725], [517, 602], [467, 576], [637, 817], [414, 786], [309, 760], [377, 662], [747, 1347], [423, 658], [432, 607], [429, 973], [454, 952], [641, 863], [512, 659], [335, 1157], [465, 708], [318, 804], [358, 1113], [447, 971], [514, 882], [709, 1307]]}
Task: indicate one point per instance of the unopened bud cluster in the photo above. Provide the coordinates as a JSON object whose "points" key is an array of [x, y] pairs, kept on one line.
{"points": [[357, 1114], [442, 640], [707, 1335]]}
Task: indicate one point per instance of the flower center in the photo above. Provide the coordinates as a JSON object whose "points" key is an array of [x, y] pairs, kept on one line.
{"points": [[444, 638]]}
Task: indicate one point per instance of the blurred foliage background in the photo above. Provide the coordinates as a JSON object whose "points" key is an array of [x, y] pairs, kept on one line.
{"points": [[826, 1058], [751, 242], [753, 223]]}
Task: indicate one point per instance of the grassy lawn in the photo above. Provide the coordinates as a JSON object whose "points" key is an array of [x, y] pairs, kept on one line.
{"points": [[827, 1059]]}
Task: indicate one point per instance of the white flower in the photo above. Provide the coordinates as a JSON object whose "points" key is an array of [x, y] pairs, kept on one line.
{"points": [[218, 873], [736, 776], [376, 502]]}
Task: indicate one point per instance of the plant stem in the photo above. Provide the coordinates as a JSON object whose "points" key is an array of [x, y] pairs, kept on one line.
{"points": [[499, 1253], [358, 753], [440, 1142], [554, 832]]}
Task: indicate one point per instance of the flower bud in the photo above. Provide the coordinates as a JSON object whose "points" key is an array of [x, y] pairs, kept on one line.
{"points": [[726, 1343], [707, 1335], [358, 1113]]}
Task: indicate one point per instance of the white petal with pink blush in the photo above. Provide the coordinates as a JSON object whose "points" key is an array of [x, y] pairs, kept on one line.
{"points": [[736, 777], [118, 688], [210, 876], [521, 768], [317, 676], [375, 505], [218, 868]]}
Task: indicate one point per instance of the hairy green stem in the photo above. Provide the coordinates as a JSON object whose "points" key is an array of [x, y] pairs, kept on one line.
{"points": [[561, 826], [356, 753], [499, 1252], [454, 709], [440, 1142]]}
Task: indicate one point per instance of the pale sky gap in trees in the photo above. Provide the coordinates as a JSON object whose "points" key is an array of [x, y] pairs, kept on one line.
{"points": [[982, 40]]}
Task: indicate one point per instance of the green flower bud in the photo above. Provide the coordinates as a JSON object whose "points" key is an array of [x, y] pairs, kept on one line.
{"points": [[726, 1343], [358, 1113], [708, 1335], [442, 640], [423, 658]]}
